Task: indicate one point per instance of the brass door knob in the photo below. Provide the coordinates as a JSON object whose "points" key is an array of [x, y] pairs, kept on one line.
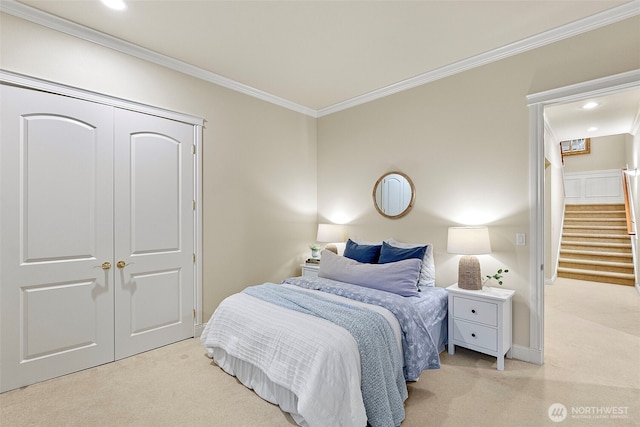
{"points": [[121, 264], [106, 265]]}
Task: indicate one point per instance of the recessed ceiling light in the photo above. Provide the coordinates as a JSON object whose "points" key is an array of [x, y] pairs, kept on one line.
{"points": [[592, 129], [590, 105], [115, 4]]}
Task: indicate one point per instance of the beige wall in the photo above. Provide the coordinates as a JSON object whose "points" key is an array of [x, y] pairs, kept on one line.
{"points": [[259, 160], [464, 141], [554, 206], [607, 152]]}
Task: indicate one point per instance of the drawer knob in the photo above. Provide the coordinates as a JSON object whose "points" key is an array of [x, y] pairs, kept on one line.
{"points": [[473, 311], [473, 335]]}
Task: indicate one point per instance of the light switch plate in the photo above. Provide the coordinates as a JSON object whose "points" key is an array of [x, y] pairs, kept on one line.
{"points": [[520, 239]]}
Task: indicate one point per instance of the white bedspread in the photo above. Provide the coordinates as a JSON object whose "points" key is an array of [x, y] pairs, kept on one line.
{"points": [[313, 358]]}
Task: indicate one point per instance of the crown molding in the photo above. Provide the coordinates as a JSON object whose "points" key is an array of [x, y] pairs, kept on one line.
{"points": [[584, 25], [607, 17], [45, 19]]}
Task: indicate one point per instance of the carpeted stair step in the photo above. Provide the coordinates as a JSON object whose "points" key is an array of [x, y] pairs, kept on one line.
{"points": [[597, 246], [597, 265], [592, 237], [591, 229], [604, 256], [597, 276], [595, 214]]}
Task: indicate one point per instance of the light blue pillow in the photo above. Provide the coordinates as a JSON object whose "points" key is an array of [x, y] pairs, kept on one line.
{"points": [[362, 253], [392, 253], [397, 277]]}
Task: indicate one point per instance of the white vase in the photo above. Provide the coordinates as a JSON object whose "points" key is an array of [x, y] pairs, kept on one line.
{"points": [[489, 283]]}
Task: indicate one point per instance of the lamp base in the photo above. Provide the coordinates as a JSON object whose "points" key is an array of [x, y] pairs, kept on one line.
{"points": [[469, 273]]}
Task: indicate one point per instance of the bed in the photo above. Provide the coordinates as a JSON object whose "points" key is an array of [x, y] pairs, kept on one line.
{"points": [[336, 349]]}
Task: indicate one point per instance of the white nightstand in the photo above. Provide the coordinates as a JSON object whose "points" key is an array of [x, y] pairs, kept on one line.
{"points": [[481, 321], [309, 270]]}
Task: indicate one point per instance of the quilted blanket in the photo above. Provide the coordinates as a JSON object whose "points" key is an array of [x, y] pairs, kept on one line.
{"points": [[291, 349], [417, 315], [382, 382]]}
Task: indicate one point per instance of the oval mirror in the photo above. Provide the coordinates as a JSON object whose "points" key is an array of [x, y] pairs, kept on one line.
{"points": [[393, 195]]}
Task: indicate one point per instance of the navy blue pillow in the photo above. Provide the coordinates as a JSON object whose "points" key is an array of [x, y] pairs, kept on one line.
{"points": [[390, 253], [362, 253]]}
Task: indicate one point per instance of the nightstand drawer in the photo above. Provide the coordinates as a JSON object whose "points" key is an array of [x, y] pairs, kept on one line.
{"points": [[310, 270], [476, 335], [475, 311]]}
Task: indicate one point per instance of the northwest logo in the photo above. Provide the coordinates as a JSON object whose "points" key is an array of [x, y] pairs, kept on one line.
{"points": [[557, 412]]}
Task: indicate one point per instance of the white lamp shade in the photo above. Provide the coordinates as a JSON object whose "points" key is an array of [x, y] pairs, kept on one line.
{"points": [[468, 241], [330, 233]]}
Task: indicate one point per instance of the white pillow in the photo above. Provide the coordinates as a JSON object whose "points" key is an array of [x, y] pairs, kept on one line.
{"points": [[428, 268], [399, 277], [364, 242]]}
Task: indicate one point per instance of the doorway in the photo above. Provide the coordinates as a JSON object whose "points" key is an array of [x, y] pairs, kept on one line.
{"points": [[537, 103]]}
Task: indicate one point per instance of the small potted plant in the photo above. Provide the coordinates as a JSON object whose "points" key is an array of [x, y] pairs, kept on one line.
{"points": [[496, 277], [315, 250]]}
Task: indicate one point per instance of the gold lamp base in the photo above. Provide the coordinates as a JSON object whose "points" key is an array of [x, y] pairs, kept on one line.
{"points": [[469, 273]]}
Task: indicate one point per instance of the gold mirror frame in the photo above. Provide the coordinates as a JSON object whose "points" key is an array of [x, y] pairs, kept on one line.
{"points": [[409, 205]]}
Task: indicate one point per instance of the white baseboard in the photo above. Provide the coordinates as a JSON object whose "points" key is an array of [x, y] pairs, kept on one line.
{"points": [[527, 354]]}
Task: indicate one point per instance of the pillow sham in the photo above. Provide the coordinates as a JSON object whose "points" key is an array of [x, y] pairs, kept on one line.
{"points": [[390, 253], [428, 269], [399, 277], [362, 253]]}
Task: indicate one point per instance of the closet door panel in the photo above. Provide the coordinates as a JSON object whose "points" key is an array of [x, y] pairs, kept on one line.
{"points": [[56, 222], [58, 188], [155, 193], [154, 232]]}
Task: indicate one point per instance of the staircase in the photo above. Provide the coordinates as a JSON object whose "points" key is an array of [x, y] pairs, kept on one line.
{"points": [[595, 245]]}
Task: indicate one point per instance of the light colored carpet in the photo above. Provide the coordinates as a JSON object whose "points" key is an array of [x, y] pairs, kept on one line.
{"points": [[592, 365]]}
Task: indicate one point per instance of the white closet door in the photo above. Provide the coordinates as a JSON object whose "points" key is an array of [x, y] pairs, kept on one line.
{"points": [[56, 227], [154, 223]]}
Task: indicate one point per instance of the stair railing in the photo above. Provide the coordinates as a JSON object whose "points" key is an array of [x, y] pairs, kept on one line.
{"points": [[628, 203], [629, 207]]}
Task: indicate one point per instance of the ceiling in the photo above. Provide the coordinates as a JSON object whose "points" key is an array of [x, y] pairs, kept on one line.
{"points": [[615, 114], [317, 55]]}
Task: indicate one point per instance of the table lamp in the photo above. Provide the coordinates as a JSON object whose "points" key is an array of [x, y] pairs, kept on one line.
{"points": [[469, 241], [330, 233]]}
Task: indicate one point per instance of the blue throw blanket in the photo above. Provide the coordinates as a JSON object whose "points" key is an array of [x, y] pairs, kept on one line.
{"points": [[383, 387], [416, 315]]}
